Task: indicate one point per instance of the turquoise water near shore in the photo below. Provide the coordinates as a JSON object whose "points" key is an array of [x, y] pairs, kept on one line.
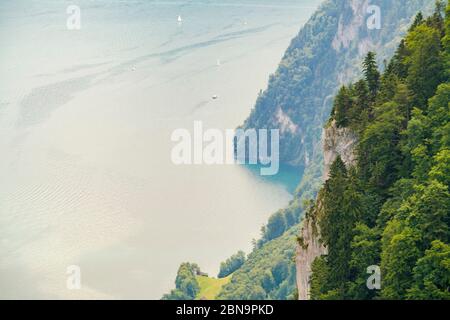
{"points": [[85, 122]]}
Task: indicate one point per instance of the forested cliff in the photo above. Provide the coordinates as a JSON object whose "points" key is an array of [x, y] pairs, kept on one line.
{"points": [[337, 142], [390, 207], [325, 55], [259, 275], [322, 56]]}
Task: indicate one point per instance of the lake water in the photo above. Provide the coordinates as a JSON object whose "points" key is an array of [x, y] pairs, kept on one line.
{"points": [[85, 122]]}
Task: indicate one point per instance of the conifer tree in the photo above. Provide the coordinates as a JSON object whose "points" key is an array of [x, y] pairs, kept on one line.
{"points": [[371, 73], [359, 112], [436, 20], [425, 65], [342, 106], [418, 20], [393, 210], [398, 64]]}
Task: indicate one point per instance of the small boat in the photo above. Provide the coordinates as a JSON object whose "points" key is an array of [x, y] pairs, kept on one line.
{"points": [[218, 62], [215, 97], [180, 19]]}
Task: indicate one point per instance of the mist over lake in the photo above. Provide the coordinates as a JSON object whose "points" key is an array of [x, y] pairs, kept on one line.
{"points": [[86, 117]]}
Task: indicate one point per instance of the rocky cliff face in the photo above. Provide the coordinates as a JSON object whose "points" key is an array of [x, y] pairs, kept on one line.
{"points": [[336, 141], [326, 54], [310, 249], [348, 31]]}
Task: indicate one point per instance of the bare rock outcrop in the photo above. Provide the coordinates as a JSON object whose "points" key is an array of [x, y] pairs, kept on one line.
{"points": [[336, 141], [307, 251]]}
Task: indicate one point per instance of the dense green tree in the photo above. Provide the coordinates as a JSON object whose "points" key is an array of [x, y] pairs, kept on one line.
{"points": [[393, 208], [425, 64], [276, 226], [446, 41], [231, 264], [441, 170], [432, 274], [436, 20], [371, 73], [379, 153], [428, 211], [439, 114], [399, 255], [418, 20], [268, 272], [402, 97], [365, 252], [342, 106], [397, 65], [267, 281], [336, 222], [279, 222], [280, 271], [413, 146], [401, 190], [186, 285], [358, 115], [320, 273]]}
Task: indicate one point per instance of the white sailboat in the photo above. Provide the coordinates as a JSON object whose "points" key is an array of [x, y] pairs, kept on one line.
{"points": [[180, 19], [218, 62]]}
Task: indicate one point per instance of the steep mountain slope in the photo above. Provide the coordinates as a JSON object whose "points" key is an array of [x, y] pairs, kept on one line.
{"points": [[337, 142], [385, 207], [325, 54]]}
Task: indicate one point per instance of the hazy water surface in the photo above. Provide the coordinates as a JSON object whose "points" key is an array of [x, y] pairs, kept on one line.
{"points": [[85, 124]]}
